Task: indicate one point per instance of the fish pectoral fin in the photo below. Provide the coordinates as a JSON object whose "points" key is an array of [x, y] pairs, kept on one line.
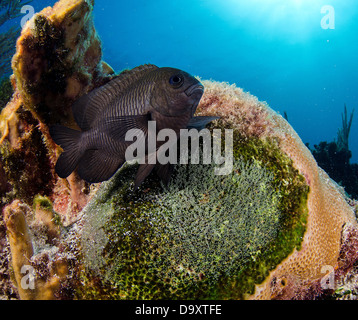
{"points": [[200, 122], [164, 172], [97, 166], [118, 127]]}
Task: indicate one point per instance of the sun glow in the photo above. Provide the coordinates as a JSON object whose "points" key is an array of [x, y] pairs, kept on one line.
{"points": [[291, 19]]}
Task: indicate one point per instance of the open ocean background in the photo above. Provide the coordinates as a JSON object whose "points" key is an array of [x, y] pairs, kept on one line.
{"points": [[274, 49]]}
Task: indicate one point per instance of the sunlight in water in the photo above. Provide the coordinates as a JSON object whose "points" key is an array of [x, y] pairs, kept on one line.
{"points": [[295, 20]]}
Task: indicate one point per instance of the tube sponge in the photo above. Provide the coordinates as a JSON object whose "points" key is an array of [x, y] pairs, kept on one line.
{"points": [[22, 255], [20, 243]]}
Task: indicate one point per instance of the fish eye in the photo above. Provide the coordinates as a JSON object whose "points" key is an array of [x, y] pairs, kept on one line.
{"points": [[176, 81]]}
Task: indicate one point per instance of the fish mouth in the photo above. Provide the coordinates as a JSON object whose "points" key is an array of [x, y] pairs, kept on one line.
{"points": [[194, 89]]}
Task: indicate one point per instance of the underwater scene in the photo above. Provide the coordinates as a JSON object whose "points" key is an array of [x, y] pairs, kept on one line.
{"points": [[178, 151]]}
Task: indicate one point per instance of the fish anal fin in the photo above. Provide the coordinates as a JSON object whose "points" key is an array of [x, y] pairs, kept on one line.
{"points": [[143, 172], [97, 166], [164, 172]]}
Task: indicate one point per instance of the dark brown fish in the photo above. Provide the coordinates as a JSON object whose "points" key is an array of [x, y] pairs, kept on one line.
{"points": [[147, 93]]}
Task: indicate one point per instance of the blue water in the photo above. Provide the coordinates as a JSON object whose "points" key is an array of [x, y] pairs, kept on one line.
{"points": [[275, 49]]}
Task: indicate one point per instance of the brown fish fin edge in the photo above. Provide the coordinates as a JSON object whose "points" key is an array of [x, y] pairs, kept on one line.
{"points": [[164, 172], [87, 108], [143, 172], [200, 122], [97, 166], [118, 127], [70, 141]]}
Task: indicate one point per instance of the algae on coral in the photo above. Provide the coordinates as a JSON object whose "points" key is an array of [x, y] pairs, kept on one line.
{"points": [[6, 92], [215, 226], [213, 239]]}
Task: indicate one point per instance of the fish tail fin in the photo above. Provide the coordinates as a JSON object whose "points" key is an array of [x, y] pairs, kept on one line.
{"points": [[70, 142]]}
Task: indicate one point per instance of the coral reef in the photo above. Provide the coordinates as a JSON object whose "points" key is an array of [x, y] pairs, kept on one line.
{"points": [[6, 92], [47, 269], [209, 240], [58, 58], [293, 267], [291, 271], [343, 133], [327, 207], [268, 230], [334, 157], [336, 162]]}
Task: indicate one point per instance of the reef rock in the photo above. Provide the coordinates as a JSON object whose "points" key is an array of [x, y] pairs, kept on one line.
{"points": [[58, 58], [197, 238]]}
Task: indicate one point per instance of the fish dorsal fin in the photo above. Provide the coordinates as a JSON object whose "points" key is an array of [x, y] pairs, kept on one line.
{"points": [[87, 108], [127, 77]]}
